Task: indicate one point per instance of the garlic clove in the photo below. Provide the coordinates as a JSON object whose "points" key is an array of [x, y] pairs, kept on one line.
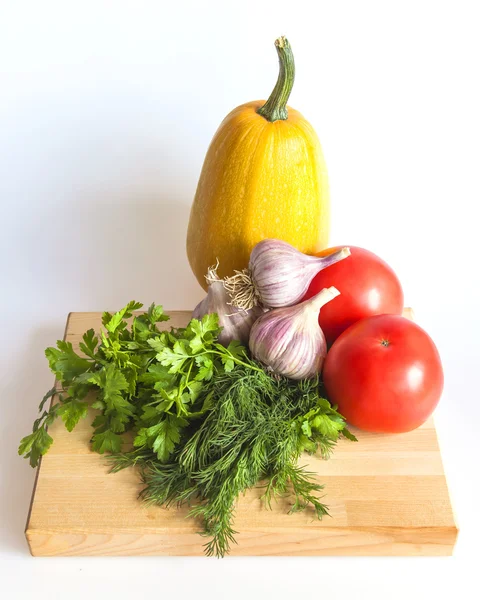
{"points": [[289, 340]]}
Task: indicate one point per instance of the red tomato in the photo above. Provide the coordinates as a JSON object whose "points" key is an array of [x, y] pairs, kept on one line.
{"points": [[384, 373], [367, 286]]}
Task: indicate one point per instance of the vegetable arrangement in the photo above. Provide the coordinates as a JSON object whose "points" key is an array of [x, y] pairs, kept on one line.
{"points": [[233, 399]]}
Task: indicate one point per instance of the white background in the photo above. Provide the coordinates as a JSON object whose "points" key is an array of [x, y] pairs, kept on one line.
{"points": [[106, 112]]}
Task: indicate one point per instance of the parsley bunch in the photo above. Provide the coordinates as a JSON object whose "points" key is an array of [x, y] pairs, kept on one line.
{"points": [[143, 378]]}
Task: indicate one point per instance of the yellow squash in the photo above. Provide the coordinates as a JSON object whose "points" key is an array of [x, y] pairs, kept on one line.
{"points": [[264, 176]]}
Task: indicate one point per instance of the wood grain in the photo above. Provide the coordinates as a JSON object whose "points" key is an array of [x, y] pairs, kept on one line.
{"points": [[387, 495]]}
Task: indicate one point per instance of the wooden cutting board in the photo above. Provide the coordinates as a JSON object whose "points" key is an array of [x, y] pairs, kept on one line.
{"points": [[387, 495]]}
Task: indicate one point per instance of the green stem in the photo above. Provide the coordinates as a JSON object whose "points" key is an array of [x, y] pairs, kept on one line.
{"points": [[235, 360], [275, 108], [187, 379]]}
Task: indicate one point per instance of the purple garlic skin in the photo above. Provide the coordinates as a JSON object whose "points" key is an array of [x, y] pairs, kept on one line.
{"points": [[236, 323], [282, 274], [289, 340]]}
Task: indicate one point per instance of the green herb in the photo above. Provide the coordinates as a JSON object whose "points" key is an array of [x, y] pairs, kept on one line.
{"points": [[256, 430], [143, 378], [208, 421]]}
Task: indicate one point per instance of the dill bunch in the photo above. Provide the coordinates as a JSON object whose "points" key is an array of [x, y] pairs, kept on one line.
{"points": [[256, 429]]}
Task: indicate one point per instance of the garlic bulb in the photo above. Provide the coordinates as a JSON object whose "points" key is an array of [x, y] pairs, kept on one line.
{"points": [[236, 322], [278, 275], [289, 340]]}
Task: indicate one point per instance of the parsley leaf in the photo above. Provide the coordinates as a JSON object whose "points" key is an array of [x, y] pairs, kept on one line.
{"points": [[161, 437], [65, 362], [112, 382], [174, 357], [106, 441], [117, 321], [35, 445], [89, 343], [327, 426], [349, 435], [71, 411], [206, 368], [156, 315], [204, 332]]}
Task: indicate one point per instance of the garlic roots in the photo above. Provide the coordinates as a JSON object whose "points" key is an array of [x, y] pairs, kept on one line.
{"points": [[278, 275], [236, 322], [289, 340]]}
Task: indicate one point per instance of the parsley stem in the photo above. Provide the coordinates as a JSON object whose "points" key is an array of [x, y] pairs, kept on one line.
{"points": [[235, 359], [182, 387]]}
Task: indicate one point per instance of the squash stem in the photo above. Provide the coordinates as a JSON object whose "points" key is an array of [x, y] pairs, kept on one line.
{"points": [[275, 108]]}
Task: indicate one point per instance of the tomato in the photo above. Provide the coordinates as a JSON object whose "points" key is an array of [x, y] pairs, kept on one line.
{"points": [[385, 374], [367, 285]]}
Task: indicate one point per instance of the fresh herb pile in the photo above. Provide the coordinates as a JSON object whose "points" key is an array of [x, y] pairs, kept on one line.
{"points": [[208, 421]]}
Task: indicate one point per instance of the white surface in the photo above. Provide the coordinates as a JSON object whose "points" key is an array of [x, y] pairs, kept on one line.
{"points": [[106, 112]]}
